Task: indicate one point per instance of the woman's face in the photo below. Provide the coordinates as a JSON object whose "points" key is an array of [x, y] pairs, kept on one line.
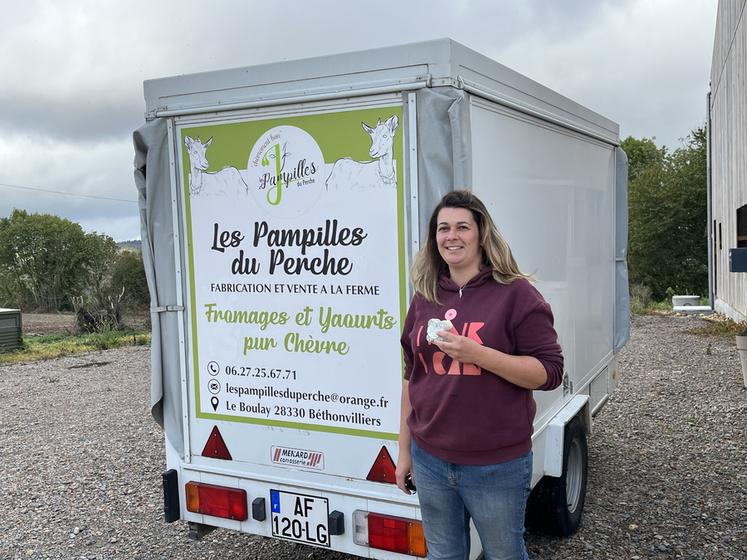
{"points": [[458, 239]]}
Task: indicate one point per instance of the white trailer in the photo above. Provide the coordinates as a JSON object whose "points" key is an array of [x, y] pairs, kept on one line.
{"points": [[281, 206]]}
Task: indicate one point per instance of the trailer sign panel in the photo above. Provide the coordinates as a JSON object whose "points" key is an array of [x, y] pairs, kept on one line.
{"points": [[300, 518], [296, 263]]}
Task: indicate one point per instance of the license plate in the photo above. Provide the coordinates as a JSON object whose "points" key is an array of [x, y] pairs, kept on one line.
{"points": [[300, 518]]}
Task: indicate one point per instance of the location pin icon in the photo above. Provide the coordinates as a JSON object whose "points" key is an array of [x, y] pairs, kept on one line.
{"points": [[214, 401]]}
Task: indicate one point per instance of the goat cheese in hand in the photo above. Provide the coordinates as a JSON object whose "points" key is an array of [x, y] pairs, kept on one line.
{"points": [[435, 325]]}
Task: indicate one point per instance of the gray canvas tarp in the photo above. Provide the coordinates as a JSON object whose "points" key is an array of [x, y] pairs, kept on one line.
{"points": [[444, 146], [157, 235]]}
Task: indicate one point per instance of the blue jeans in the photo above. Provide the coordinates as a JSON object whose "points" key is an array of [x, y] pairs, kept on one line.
{"points": [[493, 496]]}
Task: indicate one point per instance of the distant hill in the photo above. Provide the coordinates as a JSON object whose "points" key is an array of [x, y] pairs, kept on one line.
{"points": [[133, 245]]}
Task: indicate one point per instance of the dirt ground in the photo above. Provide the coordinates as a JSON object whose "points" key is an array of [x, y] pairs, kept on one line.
{"points": [[48, 323]]}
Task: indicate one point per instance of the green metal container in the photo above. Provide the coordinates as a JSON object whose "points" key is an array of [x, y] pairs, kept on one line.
{"points": [[10, 329]]}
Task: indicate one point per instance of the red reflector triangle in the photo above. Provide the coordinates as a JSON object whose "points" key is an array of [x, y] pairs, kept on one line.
{"points": [[383, 468], [216, 447]]}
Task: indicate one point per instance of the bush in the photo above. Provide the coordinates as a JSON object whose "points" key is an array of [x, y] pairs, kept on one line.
{"points": [[98, 313], [640, 298]]}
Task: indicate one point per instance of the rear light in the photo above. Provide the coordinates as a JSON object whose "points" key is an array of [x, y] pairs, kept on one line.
{"points": [[387, 532], [383, 469], [218, 501]]}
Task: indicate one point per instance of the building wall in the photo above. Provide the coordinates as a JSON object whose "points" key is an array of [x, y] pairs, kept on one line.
{"points": [[728, 106]]}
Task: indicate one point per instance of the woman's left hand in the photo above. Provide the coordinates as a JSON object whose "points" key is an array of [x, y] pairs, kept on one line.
{"points": [[461, 348], [524, 371]]}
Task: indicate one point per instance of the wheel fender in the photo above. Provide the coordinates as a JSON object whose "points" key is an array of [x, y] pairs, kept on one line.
{"points": [[555, 431]]}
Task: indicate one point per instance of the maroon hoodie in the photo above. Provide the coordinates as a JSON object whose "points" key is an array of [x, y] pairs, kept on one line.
{"points": [[460, 413]]}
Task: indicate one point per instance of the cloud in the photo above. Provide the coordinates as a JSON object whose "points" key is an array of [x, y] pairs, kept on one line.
{"points": [[73, 71], [120, 228], [642, 64], [94, 169]]}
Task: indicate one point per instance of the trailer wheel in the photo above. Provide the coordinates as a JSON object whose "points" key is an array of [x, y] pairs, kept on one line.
{"points": [[556, 503]]}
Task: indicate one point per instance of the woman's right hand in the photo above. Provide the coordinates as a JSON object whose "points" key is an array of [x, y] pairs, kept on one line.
{"points": [[404, 459], [404, 467]]}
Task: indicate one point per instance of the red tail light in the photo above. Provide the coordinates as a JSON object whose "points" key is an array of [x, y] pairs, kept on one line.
{"points": [[396, 534], [383, 468], [218, 501]]}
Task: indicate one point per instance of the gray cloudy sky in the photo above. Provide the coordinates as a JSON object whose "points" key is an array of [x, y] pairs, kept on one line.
{"points": [[72, 71]]}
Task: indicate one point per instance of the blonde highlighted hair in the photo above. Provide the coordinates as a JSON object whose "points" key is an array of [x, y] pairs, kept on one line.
{"points": [[496, 254]]}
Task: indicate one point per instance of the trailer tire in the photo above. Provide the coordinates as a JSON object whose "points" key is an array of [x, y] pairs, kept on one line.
{"points": [[556, 504]]}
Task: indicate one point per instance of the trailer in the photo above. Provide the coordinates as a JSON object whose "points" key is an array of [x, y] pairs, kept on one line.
{"points": [[280, 207]]}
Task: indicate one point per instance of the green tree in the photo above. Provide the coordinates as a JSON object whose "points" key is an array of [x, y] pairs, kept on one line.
{"points": [[642, 154], [129, 273], [49, 259], [667, 245]]}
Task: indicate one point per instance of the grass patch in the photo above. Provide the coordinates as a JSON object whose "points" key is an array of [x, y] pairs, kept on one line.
{"points": [[653, 308], [717, 325], [641, 302], [48, 346]]}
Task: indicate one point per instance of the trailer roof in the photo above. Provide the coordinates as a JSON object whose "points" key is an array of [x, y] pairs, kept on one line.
{"points": [[441, 62]]}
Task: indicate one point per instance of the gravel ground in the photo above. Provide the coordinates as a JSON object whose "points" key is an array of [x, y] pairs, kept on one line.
{"points": [[81, 461]]}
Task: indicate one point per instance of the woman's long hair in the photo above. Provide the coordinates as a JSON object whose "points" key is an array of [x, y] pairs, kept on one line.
{"points": [[496, 254]]}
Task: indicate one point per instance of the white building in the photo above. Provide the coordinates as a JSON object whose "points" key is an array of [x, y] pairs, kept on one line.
{"points": [[727, 105]]}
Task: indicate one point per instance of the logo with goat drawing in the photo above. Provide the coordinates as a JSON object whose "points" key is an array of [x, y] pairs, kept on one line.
{"points": [[286, 173]]}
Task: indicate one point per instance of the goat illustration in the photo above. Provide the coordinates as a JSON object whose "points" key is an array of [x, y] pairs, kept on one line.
{"points": [[227, 181], [349, 174]]}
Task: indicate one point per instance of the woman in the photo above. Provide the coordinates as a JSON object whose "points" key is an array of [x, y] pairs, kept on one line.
{"points": [[467, 406]]}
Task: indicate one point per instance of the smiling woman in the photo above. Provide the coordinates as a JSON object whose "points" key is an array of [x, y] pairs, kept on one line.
{"points": [[467, 406]]}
